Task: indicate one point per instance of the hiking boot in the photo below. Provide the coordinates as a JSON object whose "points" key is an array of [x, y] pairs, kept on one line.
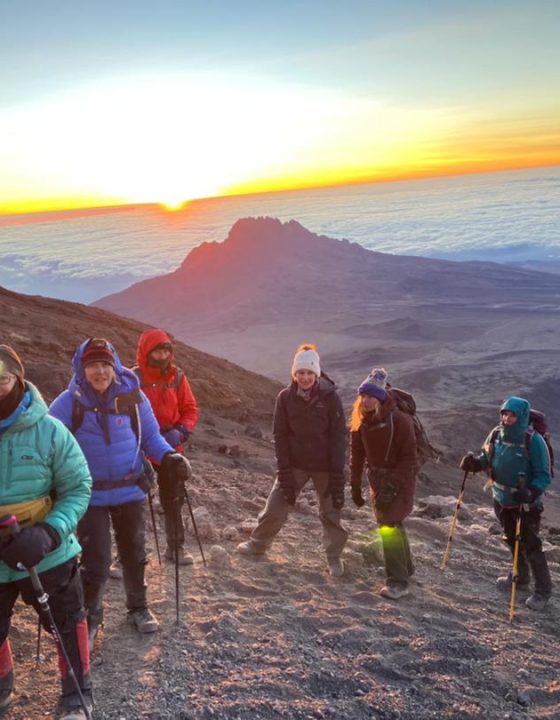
{"points": [[6, 682], [115, 571], [183, 556], [504, 584], [144, 620], [536, 601], [394, 592], [71, 708], [5, 698], [249, 548], [336, 567]]}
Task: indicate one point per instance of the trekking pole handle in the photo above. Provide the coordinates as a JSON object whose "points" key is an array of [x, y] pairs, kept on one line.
{"points": [[10, 523]]}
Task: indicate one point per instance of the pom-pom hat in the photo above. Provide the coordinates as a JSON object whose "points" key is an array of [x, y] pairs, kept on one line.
{"points": [[307, 358], [375, 384]]}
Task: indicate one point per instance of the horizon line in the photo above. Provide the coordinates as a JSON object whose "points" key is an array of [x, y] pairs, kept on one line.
{"points": [[406, 177]]}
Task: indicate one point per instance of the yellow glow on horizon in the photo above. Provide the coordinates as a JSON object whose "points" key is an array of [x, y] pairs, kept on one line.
{"points": [[168, 142]]}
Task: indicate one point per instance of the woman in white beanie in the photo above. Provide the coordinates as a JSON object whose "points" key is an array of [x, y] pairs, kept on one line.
{"points": [[309, 438]]}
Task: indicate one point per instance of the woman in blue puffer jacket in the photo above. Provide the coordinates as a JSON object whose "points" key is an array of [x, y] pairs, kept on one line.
{"points": [[519, 464], [114, 425]]}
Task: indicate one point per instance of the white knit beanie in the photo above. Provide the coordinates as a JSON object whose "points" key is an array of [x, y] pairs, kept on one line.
{"points": [[307, 358]]}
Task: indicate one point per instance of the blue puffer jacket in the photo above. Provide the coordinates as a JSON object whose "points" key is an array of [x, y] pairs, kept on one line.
{"points": [[509, 462], [39, 457], [108, 440]]}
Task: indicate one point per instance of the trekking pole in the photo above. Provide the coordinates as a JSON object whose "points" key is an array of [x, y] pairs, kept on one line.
{"points": [[516, 547], [194, 525], [38, 651], [454, 522], [10, 523], [176, 511], [154, 527]]}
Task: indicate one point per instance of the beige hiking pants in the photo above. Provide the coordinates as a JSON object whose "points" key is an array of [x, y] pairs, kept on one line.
{"points": [[276, 511]]}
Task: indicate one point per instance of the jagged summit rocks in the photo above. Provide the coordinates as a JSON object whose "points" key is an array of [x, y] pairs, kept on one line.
{"points": [[441, 328]]}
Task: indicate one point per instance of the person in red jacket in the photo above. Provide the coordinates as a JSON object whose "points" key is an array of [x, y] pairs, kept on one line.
{"points": [[176, 411], [383, 440]]}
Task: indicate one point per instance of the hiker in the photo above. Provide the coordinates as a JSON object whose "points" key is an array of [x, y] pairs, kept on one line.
{"points": [[113, 422], [46, 484], [175, 408], [309, 439], [382, 439], [519, 465]]}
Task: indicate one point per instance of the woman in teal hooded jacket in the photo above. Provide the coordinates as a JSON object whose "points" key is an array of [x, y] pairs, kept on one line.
{"points": [[45, 482], [518, 462]]}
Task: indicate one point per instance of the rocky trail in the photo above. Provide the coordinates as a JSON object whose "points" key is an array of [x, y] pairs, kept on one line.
{"points": [[277, 637]]}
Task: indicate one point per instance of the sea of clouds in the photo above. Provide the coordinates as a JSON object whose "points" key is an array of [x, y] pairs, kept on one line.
{"points": [[501, 217]]}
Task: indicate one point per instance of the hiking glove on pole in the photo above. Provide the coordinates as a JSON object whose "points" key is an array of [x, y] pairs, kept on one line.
{"points": [[30, 546], [524, 495], [176, 471], [357, 497], [470, 463], [287, 485]]}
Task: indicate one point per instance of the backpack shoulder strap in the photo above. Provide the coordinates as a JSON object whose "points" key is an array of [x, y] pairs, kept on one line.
{"points": [[179, 375], [78, 412]]}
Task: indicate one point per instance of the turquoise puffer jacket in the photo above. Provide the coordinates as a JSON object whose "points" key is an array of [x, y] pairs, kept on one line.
{"points": [[38, 455], [508, 459]]}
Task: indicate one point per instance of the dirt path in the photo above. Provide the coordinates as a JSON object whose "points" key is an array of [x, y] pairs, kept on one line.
{"points": [[278, 638]]}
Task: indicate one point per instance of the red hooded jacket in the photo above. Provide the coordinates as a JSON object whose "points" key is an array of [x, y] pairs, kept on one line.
{"points": [[172, 406]]}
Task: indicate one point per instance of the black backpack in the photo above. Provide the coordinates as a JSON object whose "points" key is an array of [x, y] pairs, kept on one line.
{"points": [[537, 424], [407, 404]]}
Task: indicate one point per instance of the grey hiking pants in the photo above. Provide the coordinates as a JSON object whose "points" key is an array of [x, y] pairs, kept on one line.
{"points": [[276, 511]]}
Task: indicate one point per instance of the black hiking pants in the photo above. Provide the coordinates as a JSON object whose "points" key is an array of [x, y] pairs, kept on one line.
{"points": [[531, 554], [66, 601], [94, 534]]}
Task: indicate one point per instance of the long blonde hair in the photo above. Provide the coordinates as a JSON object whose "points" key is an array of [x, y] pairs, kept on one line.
{"points": [[357, 414]]}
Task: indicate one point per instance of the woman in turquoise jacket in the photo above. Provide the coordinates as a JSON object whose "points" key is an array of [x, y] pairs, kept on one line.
{"points": [[518, 461], [45, 482]]}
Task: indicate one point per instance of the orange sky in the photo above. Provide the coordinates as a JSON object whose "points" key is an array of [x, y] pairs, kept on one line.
{"points": [[276, 99]]}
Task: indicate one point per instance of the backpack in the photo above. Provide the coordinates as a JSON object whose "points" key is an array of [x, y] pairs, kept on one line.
{"points": [[537, 424], [407, 404], [174, 385]]}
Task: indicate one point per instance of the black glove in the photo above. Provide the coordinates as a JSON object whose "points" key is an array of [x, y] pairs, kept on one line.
{"points": [[335, 489], [357, 497], [386, 495], [175, 471], [288, 486], [524, 495], [470, 463], [30, 546]]}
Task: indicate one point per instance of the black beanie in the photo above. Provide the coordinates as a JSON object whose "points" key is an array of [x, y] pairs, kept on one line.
{"points": [[11, 363]]}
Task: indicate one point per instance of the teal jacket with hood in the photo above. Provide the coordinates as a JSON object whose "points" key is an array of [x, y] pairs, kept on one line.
{"points": [[512, 461], [40, 457]]}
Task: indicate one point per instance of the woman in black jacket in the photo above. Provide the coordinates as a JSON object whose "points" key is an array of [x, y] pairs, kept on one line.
{"points": [[309, 438]]}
